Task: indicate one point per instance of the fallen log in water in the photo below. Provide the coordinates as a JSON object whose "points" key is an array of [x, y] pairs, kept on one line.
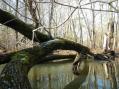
{"points": [[80, 61], [14, 75]]}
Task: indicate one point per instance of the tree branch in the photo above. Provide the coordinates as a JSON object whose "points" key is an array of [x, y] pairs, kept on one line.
{"points": [[21, 27], [61, 23], [80, 7], [38, 53], [16, 10]]}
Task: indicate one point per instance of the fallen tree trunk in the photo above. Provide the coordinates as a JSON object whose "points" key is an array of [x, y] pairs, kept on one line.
{"points": [[18, 25], [45, 48], [13, 70], [31, 56], [13, 22], [5, 58]]}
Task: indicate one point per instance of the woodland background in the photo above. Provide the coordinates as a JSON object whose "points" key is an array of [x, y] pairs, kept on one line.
{"points": [[83, 21]]}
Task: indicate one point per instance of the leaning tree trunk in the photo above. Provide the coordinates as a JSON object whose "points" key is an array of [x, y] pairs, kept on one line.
{"points": [[11, 21]]}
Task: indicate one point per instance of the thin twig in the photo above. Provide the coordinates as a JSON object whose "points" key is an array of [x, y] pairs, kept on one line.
{"points": [[95, 2], [8, 21], [64, 4], [16, 10], [114, 7], [61, 23], [98, 2], [42, 2], [87, 8], [109, 3], [80, 2], [80, 7], [100, 10]]}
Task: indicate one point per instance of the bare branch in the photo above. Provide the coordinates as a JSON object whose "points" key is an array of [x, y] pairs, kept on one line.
{"points": [[16, 10], [8, 21], [42, 2], [113, 1], [61, 23], [100, 10], [64, 4], [80, 7], [109, 3], [95, 2]]}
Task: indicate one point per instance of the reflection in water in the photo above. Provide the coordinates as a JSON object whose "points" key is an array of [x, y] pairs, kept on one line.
{"points": [[51, 76], [101, 75]]}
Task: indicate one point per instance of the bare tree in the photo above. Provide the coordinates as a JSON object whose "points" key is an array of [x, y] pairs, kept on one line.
{"points": [[17, 39], [93, 25]]}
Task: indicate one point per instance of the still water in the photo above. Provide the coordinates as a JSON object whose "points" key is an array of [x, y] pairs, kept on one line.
{"points": [[98, 75], [51, 75]]}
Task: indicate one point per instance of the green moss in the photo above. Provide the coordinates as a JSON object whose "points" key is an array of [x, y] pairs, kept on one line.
{"points": [[23, 56]]}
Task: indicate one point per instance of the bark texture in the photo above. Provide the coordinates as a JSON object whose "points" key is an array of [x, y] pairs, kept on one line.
{"points": [[14, 76], [11, 21]]}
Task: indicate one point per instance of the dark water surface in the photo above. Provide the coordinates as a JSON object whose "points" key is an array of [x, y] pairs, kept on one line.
{"points": [[100, 75]]}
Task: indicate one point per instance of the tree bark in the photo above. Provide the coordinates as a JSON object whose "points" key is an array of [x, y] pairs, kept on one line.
{"points": [[14, 76], [38, 52], [11, 21]]}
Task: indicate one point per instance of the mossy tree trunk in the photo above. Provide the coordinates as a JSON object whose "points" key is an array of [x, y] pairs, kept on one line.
{"points": [[14, 74]]}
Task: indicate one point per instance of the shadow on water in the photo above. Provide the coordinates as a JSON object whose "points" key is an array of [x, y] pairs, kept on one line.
{"points": [[98, 75]]}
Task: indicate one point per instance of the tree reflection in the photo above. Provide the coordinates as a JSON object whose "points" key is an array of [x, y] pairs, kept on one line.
{"points": [[100, 75]]}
